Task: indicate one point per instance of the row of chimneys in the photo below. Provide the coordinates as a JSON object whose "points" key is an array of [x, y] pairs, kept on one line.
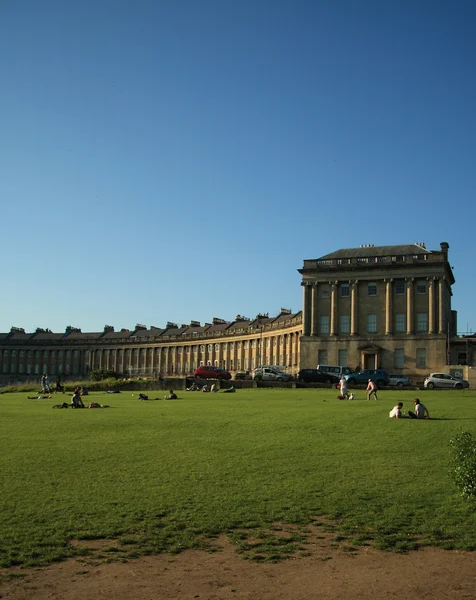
{"points": [[170, 325]]}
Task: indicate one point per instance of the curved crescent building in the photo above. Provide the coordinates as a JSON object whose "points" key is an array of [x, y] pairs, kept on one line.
{"points": [[386, 307]]}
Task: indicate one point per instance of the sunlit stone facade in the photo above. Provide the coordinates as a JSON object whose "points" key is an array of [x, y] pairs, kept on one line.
{"points": [[383, 307]]}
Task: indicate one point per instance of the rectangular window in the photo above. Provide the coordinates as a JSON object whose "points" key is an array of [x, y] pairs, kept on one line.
{"points": [[344, 325], [421, 286], [345, 290], [372, 323], [202, 347], [422, 322], [210, 347], [321, 357], [246, 345], [399, 359], [421, 358], [400, 287], [342, 357], [372, 289], [188, 350], [217, 347], [238, 364], [400, 323], [324, 325], [325, 291]]}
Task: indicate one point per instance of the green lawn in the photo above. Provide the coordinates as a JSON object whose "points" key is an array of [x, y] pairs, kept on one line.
{"points": [[168, 475]]}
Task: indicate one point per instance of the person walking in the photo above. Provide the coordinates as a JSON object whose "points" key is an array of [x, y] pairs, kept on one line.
{"points": [[371, 390]]}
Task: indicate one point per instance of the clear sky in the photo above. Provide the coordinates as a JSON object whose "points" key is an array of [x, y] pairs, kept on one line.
{"points": [[177, 160]]}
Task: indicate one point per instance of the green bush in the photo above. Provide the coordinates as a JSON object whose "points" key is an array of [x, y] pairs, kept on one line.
{"points": [[464, 459], [100, 374]]}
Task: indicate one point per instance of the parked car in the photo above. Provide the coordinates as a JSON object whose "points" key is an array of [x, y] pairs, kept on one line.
{"points": [[444, 380], [398, 381], [316, 376], [270, 374], [242, 376], [335, 370], [209, 372], [376, 375]]}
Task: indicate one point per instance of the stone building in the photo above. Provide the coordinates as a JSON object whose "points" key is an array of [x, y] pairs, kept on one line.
{"points": [[385, 307], [176, 350]]}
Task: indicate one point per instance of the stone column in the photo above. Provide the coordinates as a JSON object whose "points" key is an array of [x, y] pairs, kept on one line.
{"points": [[306, 309], [431, 306], [353, 307], [410, 305], [333, 330], [388, 306], [441, 311], [314, 290]]}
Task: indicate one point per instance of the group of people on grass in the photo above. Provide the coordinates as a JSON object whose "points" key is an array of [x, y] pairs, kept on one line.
{"points": [[206, 388], [344, 390], [421, 411]]}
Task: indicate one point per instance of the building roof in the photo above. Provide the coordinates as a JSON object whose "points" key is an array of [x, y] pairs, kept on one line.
{"points": [[48, 336], [78, 335], [153, 332], [365, 251], [117, 335]]}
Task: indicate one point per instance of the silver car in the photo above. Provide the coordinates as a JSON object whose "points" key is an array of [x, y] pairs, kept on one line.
{"points": [[398, 381], [270, 374], [444, 380]]}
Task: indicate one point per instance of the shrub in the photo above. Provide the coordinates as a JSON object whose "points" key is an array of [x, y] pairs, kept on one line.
{"points": [[464, 463], [101, 374]]}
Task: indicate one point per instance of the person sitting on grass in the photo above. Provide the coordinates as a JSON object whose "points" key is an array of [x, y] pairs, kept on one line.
{"points": [[421, 412], [171, 396], [143, 397], [76, 401], [396, 412]]}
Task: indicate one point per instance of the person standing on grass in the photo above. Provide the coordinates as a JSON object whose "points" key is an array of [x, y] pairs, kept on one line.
{"points": [[45, 383], [421, 411], [344, 393], [371, 390], [396, 412]]}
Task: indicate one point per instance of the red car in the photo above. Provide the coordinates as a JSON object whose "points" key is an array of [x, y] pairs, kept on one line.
{"points": [[209, 372]]}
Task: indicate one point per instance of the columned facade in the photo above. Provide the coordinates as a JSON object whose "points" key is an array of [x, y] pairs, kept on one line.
{"points": [[387, 307]]}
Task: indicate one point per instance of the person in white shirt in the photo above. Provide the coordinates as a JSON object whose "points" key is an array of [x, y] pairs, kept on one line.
{"points": [[421, 411], [343, 388], [396, 412]]}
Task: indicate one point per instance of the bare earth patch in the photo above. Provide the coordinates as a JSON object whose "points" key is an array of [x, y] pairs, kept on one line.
{"points": [[320, 569]]}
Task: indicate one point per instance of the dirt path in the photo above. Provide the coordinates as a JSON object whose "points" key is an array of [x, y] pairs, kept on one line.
{"points": [[325, 574]]}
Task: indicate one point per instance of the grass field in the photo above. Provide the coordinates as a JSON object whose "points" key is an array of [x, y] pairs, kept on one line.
{"points": [[162, 476]]}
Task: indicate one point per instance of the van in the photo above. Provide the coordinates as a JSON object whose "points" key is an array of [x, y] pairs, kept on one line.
{"points": [[339, 371]]}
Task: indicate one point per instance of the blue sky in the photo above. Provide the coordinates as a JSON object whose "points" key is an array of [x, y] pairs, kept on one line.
{"points": [[177, 160]]}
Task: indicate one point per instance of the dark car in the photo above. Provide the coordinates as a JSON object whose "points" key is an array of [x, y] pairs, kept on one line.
{"points": [[242, 376], [316, 376], [209, 372], [378, 376]]}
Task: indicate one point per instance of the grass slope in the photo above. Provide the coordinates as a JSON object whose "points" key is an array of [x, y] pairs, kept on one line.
{"points": [[168, 475]]}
